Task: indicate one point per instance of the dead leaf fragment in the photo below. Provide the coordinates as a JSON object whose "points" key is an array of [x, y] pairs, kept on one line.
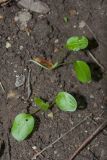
{"points": [[47, 64]]}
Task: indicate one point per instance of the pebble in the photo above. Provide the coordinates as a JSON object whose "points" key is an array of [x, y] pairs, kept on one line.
{"points": [[91, 96], [20, 80], [35, 6], [21, 47], [22, 17], [8, 45], [50, 115], [82, 24]]}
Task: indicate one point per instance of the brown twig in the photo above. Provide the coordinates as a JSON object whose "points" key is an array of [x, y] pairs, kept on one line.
{"points": [[58, 139], [88, 140]]}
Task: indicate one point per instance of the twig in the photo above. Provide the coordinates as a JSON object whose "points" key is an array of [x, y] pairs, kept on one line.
{"points": [[89, 139], [95, 60], [28, 84], [91, 32], [2, 87], [58, 139]]}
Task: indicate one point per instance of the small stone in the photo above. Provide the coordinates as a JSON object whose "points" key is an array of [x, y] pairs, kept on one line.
{"points": [[20, 80], [50, 115], [21, 47], [34, 148], [102, 107], [74, 26], [35, 6], [79, 115], [55, 152], [82, 24], [56, 41], [91, 96], [8, 45], [22, 17]]}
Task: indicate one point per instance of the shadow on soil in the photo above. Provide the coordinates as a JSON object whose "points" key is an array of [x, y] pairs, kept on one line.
{"points": [[96, 72], [93, 44], [2, 149], [81, 100]]}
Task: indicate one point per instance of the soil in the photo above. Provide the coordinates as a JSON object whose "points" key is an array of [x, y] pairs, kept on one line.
{"points": [[47, 36]]}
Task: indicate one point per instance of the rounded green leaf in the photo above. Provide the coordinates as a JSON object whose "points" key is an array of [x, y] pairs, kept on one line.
{"points": [[40, 103], [76, 43], [22, 126], [66, 102], [82, 71]]}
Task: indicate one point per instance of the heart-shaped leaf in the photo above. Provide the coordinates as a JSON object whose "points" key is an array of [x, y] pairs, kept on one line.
{"points": [[82, 71], [40, 103], [22, 126], [66, 102], [76, 43], [46, 64]]}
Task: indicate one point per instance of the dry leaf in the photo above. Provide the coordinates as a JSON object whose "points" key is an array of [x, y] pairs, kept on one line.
{"points": [[47, 64]]}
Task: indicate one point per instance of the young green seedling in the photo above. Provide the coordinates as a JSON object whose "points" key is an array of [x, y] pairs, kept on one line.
{"points": [[22, 126], [82, 71], [66, 102], [65, 19], [76, 43], [41, 104]]}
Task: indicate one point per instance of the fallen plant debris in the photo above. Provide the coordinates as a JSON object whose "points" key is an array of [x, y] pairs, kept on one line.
{"points": [[62, 136], [29, 90], [2, 87], [89, 139], [46, 64]]}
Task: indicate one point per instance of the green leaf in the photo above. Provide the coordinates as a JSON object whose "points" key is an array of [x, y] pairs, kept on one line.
{"points": [[22, 126], [40, 103], [65, 19], [82, 71], [66, 102], [76, 43]]}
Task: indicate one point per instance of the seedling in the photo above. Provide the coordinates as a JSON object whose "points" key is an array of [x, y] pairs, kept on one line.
{"points": [[76, 43], [66, 102], [41, 104], [63, 100], [82, 71], [46, 64], [22, 126], [65, 19]]}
